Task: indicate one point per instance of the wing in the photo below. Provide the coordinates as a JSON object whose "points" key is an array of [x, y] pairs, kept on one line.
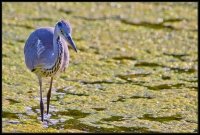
{"points": [[38, 47], [30, 51]]}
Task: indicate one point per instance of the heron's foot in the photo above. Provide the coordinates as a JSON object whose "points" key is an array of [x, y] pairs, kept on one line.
{"points": [[42, 110]]}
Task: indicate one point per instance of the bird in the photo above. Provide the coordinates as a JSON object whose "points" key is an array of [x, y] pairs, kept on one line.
{"points": [[46, 54]]}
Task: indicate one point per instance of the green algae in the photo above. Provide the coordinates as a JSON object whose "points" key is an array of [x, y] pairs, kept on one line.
{"points": [[135, 70], [161, 119]]}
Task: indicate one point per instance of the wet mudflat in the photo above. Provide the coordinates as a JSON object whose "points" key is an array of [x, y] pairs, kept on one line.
{"points": [[136, 69]]}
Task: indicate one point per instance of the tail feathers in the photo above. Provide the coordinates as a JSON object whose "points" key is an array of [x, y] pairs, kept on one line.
{"points": [[37, 67], [33, 70]]}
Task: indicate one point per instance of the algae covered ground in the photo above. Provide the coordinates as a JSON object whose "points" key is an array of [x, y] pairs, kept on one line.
{"points": [[135, 70]]}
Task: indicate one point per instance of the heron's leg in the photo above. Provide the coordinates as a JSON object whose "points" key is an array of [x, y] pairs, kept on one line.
{"points": [[41, 102], [49, 95]]}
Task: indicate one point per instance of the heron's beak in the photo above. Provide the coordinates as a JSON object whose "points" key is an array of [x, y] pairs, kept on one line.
{"points": [[70, 41]]}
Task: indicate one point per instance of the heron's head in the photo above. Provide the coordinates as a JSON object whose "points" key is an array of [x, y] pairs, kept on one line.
{"points": [[65, 30]]}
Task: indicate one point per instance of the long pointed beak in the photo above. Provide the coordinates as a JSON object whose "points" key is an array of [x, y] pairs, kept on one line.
{"points": [[70, 41]]}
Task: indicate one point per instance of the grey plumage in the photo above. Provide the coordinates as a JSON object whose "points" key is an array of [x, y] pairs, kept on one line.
{"points": [[46, 53]]}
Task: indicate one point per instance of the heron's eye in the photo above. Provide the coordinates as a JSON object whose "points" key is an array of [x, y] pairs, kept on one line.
{"points": [[62, 31]]}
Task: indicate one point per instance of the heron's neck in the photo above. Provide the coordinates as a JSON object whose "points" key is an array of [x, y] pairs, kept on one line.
{"points": [[57, 50], [55, 43]]}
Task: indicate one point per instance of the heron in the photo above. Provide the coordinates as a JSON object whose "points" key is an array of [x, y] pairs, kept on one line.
{"points": [[46, 54]]}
